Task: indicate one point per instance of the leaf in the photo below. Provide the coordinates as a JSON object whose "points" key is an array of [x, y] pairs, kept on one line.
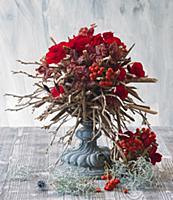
{"points": [[57, 87], [132, 87], [143, 106], [134, 93], [131, 47], [46, 88], [128, 116], [126, 61]]}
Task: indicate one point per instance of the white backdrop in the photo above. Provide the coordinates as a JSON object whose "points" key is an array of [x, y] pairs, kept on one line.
{"points": [[26, 25]]}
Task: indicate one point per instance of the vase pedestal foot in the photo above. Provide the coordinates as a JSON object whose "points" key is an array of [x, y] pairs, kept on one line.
{"points": [[88, 157]]}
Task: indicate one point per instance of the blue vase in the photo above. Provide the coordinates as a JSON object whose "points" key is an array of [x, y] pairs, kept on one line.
{"points": [[88, 156]]}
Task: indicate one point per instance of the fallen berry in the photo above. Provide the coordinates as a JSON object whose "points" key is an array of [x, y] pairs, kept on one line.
{"points": [[116, 181], [98, 189], [111, 185], [103, 177], [108, 188], [109, 176], [125, 191]]}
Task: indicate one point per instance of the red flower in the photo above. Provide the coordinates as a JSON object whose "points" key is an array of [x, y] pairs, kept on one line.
{"points": [[107, 35], [121, 91], [137, 69], [112, 40], [56, 53], [157, 157], [122, 74], [96, 40], [79, 42], [109, 39], [55, 92], [91, 30], [83, 31]]}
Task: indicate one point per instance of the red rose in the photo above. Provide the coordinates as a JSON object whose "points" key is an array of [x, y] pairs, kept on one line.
{"points": [[123, 45], [91, 30], [107, 35], [157, 157], [55, 92], [121, 91], [56, 53], [122, 74], [112, 40], [87, 32], [79, 42], [96, 40], [109, 39], [137, 69], [83, 31]]}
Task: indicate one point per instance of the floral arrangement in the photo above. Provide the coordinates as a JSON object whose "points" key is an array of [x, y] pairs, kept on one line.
{"points": [[89, 77]]}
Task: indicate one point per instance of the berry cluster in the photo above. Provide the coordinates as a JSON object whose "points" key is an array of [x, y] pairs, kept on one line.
{"points": [[103, 75], [135, 144], [111, 182], [95, 71]]}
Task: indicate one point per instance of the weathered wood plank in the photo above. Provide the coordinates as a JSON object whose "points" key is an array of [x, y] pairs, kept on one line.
{"points": [[27, 147], [7, 139]]}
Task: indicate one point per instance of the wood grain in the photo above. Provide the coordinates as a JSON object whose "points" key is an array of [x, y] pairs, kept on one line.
{"points": [[27, 147]]}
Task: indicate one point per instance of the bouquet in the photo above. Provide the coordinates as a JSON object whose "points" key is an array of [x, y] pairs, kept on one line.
{"points": [[89, 77]]}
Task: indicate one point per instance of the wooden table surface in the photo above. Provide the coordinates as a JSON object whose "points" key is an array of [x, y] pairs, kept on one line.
{"points": [[26, 147]]}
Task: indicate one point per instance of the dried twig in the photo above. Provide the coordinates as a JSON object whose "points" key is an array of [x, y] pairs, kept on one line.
{"points": [[141, 108], [141, 80], [53, 40], [28, 63], [26, 73]]}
